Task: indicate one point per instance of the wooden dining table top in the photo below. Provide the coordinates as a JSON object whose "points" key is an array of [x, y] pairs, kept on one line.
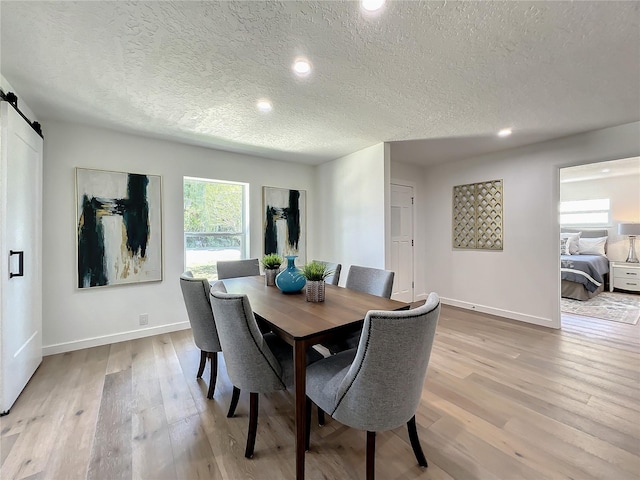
{"points": [[299, 319]]}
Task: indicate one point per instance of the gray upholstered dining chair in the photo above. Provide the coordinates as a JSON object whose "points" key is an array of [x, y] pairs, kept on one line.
{"points": [[370, 280], [378, 386], [257, 362], [367, 280], [334, 278], [195, 292], [238, 268]]}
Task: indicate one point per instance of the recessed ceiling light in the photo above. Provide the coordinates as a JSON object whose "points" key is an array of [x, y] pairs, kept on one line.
{"points": [[264, 106], [606, 170], [302, 67], [372, 5], [505, 132]]}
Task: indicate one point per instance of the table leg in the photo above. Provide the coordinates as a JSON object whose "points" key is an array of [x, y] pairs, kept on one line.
{"points": [[300, 372]]}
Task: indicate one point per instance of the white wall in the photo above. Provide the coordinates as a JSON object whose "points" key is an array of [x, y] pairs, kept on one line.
{"points": [[522, 281], [624, 193], [79, 318], [24, 108], [345, 197], [351, 193]]}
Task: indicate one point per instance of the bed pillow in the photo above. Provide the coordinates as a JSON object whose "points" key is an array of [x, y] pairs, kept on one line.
{"points": [[564, 246], [573, 242], [592, 246]]}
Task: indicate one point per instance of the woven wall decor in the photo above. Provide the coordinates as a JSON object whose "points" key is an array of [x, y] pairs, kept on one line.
{"points": [[477, 215]]}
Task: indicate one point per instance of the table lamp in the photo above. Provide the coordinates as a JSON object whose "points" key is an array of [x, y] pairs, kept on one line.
{"points": [[631, 229]]}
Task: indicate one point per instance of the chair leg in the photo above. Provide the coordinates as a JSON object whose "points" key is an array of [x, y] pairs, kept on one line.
{"points": [[415, 442], [307, 427], [214, 373], [253, 424], [320, 417], [203, 361], [371, 455], [234, 402]]}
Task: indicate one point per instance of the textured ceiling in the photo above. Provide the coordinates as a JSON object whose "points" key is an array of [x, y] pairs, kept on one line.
{"points": [[595, 171], [444, 76]]}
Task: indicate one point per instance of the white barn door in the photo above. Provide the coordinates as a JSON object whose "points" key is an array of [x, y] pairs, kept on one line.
{"points": [[21, 254], [402, 242]]}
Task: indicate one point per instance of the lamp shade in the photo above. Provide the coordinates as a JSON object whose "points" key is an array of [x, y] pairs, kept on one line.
{"points": [[629, 229]]}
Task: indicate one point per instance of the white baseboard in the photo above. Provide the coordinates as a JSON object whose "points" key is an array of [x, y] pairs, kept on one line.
{"points": [[115, 338], [522, 317], [174, 327]]}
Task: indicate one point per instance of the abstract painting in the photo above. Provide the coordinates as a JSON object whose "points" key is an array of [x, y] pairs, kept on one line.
{"points": [[119, 228], [284, 230]]}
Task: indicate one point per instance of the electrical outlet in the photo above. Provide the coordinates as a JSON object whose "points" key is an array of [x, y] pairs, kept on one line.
{"points": [[144, 319]]}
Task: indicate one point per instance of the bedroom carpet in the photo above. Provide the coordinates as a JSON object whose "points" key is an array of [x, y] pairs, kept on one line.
{"points": [[618, 307]]}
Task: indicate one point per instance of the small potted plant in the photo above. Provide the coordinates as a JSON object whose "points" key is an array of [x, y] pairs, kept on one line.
{"points": [[315, 273], [271, 263]]}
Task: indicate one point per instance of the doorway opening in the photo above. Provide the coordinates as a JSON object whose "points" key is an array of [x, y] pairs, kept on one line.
{"points": [[595, 200]]}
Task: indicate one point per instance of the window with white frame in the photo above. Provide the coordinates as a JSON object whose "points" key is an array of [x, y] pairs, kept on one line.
{"points": [[585, 213], [215, 224]]}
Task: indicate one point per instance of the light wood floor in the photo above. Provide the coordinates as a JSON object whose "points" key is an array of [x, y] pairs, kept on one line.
{"points": [[502, 400]]}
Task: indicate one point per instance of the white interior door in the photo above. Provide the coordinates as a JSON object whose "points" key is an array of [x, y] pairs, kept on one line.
{"points": [[402, 242], [21, 272]]}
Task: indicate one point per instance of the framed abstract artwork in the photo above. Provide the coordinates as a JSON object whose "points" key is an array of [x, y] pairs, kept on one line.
{"points": [[119, 228], [285, 222]]}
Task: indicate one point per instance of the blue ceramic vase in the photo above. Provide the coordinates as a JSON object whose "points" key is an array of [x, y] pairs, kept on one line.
{"points": [[290, 280]]}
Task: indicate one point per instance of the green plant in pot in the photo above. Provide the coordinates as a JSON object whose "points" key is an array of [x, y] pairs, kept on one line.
{"points": [[271, 263], [315, 273]]}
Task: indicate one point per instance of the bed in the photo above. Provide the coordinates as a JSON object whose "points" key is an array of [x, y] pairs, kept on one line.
{"points": [[584, 276]]}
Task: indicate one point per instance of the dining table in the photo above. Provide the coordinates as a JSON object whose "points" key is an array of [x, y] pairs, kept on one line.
{"points": [[303, 324]]}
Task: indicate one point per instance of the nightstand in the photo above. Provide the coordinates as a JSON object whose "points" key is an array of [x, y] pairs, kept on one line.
{"points": [[625, 276]]}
